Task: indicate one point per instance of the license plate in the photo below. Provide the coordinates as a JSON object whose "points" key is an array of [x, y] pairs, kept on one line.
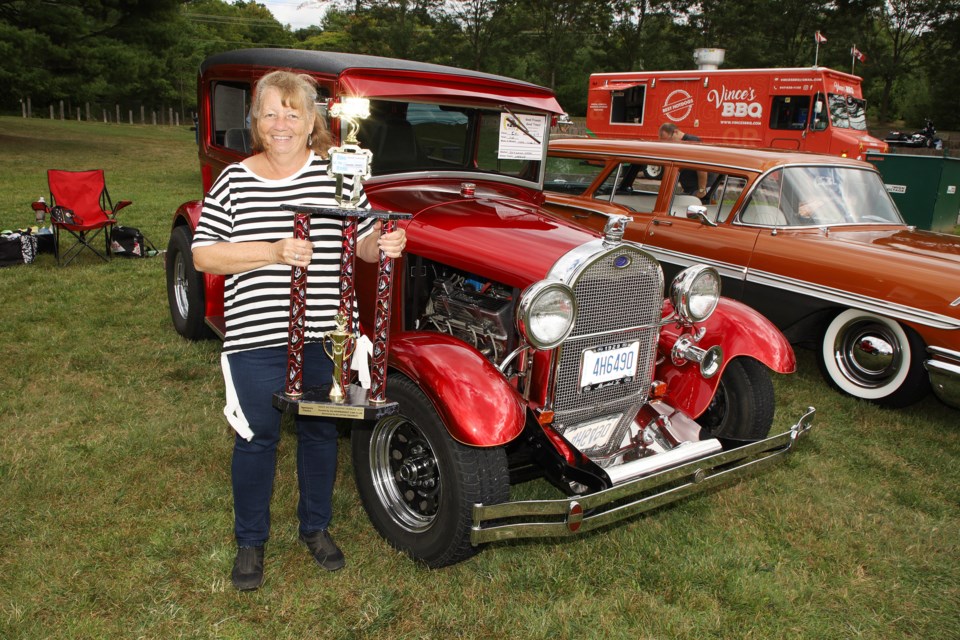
{"points": [[593, 434], [609, 365]]}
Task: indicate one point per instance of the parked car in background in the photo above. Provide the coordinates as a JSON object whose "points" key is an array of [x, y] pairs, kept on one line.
{"points": [[521, 345], [813, 242]]}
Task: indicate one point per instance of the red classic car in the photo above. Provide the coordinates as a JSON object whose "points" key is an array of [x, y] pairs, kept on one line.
{"points": [[520, 345], [812, 242]]}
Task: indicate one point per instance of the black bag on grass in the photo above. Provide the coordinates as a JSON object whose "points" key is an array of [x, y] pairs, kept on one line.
{"points": [[17, 248], [129, 242]]}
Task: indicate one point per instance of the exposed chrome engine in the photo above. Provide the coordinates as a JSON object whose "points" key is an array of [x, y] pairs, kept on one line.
{"points": [[478, 312]]}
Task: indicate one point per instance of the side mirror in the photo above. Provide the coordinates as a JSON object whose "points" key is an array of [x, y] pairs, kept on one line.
{"points": [[699, 212]]}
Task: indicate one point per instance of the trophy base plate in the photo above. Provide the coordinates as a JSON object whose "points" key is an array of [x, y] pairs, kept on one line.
{"points": [[315, 401]]}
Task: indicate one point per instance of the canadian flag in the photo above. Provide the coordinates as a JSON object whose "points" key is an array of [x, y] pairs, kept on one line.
{"points": [[819, 37], [859, 55]]}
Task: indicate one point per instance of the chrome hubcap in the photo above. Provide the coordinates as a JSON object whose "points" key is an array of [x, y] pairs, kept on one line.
{"points": [[181, 288], [868, 353], [405, 473]]}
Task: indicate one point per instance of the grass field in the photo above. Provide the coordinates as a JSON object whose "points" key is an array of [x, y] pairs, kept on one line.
{"points": [[116, 514]]}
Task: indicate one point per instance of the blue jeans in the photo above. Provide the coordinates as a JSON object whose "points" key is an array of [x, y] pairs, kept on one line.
{"points": [[257, 375]]}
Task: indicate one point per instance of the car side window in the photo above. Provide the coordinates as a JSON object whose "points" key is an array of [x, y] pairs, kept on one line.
{"points": [[230, 114], [725, 193], [570, 176], [763, 208], [632, 186], [229, 106]]}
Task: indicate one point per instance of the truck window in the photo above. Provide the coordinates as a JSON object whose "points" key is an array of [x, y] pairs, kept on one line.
{"points": [[626, 106], [230, 102], [847, 112], [789, 112], [820, 117]]}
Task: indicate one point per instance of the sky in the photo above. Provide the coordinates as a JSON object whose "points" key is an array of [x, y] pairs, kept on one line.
{"points": [[288, 12]]}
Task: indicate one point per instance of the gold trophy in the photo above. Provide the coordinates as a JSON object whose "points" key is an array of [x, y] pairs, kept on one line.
{"points": [[339, 340]]}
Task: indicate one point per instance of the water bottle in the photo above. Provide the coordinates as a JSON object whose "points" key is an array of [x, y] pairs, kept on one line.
{"points": [[40, 212]]}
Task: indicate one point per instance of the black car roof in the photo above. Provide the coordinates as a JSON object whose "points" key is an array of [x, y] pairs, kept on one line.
{"points": [[335, 63]]}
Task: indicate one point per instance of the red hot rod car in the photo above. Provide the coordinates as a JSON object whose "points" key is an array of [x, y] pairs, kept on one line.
{"points": [[520, 344]]}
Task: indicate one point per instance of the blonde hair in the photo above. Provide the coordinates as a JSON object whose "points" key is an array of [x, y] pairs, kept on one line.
{"points": [[299, 91]]}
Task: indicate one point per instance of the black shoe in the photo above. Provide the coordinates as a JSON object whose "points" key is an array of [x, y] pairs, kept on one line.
{"points": [[325, 551], [248, 568]]}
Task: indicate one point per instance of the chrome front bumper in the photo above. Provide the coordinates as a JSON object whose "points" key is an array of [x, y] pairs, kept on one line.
{"points": [[943, 367], [578, 514]]}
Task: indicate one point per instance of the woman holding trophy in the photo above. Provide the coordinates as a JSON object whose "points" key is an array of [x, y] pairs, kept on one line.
{"points": [[245, 235]]}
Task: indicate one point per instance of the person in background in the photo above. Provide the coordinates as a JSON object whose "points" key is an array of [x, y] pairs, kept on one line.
{"points": [[692, 183], [245, 235]]}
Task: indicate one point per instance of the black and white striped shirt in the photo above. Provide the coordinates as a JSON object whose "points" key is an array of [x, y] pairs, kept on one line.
{"points": [[243, 207]]}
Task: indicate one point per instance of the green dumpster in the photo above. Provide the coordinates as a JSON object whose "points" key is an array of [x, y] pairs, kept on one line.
{"points": [[926, 189]]}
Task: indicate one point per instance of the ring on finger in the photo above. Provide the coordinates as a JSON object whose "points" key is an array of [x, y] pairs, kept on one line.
{"points": [[296, 256]]}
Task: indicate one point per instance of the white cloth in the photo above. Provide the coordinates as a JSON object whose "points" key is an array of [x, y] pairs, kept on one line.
{"points": [[360, 363], [232, 409]]}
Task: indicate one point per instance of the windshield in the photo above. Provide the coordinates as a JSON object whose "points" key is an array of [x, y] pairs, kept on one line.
{"points": [[847, 112], [820, 196], [415, 136]]}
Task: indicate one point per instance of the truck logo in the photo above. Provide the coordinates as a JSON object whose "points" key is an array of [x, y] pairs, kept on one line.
{"points": [[678, 105], [736, 103]]}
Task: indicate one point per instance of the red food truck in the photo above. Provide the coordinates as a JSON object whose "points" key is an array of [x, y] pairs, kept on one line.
{"points": [[809, 109]]}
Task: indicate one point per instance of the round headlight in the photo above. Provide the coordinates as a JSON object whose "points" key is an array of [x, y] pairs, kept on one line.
{"points": [[695, 292], [545, 313]]}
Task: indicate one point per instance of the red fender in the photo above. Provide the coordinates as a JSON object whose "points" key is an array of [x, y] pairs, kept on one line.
{"points": [[476, 403], [739, 331]]}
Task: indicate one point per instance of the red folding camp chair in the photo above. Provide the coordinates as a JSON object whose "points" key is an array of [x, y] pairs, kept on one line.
{"points": [[81, 206]]}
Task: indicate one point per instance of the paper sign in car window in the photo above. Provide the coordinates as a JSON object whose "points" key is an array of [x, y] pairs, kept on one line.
{"points": [[521, 137]]}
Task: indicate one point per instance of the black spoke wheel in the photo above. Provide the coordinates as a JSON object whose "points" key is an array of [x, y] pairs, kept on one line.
{"points": [[742, 408], [417, 484]]}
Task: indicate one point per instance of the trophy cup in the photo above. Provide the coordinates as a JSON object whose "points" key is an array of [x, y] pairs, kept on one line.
{"points": [[343, 400], [338, 340]]}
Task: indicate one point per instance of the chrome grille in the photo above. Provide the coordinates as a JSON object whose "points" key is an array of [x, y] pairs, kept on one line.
{"points": [[612, 302]]}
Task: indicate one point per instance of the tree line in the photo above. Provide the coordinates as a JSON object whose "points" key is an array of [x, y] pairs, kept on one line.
{"points": [[145, 53]]}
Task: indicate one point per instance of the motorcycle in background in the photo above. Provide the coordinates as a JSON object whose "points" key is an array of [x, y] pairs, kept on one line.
{"points": [[924, 138]]}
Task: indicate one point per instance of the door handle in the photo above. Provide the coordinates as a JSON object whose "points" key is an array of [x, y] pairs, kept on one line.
{"points": [[666, 223]]}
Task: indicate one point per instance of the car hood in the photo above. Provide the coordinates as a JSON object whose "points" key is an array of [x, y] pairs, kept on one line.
{"points": [[924, 245], [501, 233]]}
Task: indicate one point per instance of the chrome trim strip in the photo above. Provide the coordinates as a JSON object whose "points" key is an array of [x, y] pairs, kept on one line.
{"points": [[572, 516], [945, 354], [764, 278], [876, 305], [725, 269]]}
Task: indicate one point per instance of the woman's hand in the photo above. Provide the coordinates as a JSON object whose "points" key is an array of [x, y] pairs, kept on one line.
{"points": [[294, 252], [393, 243]]}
